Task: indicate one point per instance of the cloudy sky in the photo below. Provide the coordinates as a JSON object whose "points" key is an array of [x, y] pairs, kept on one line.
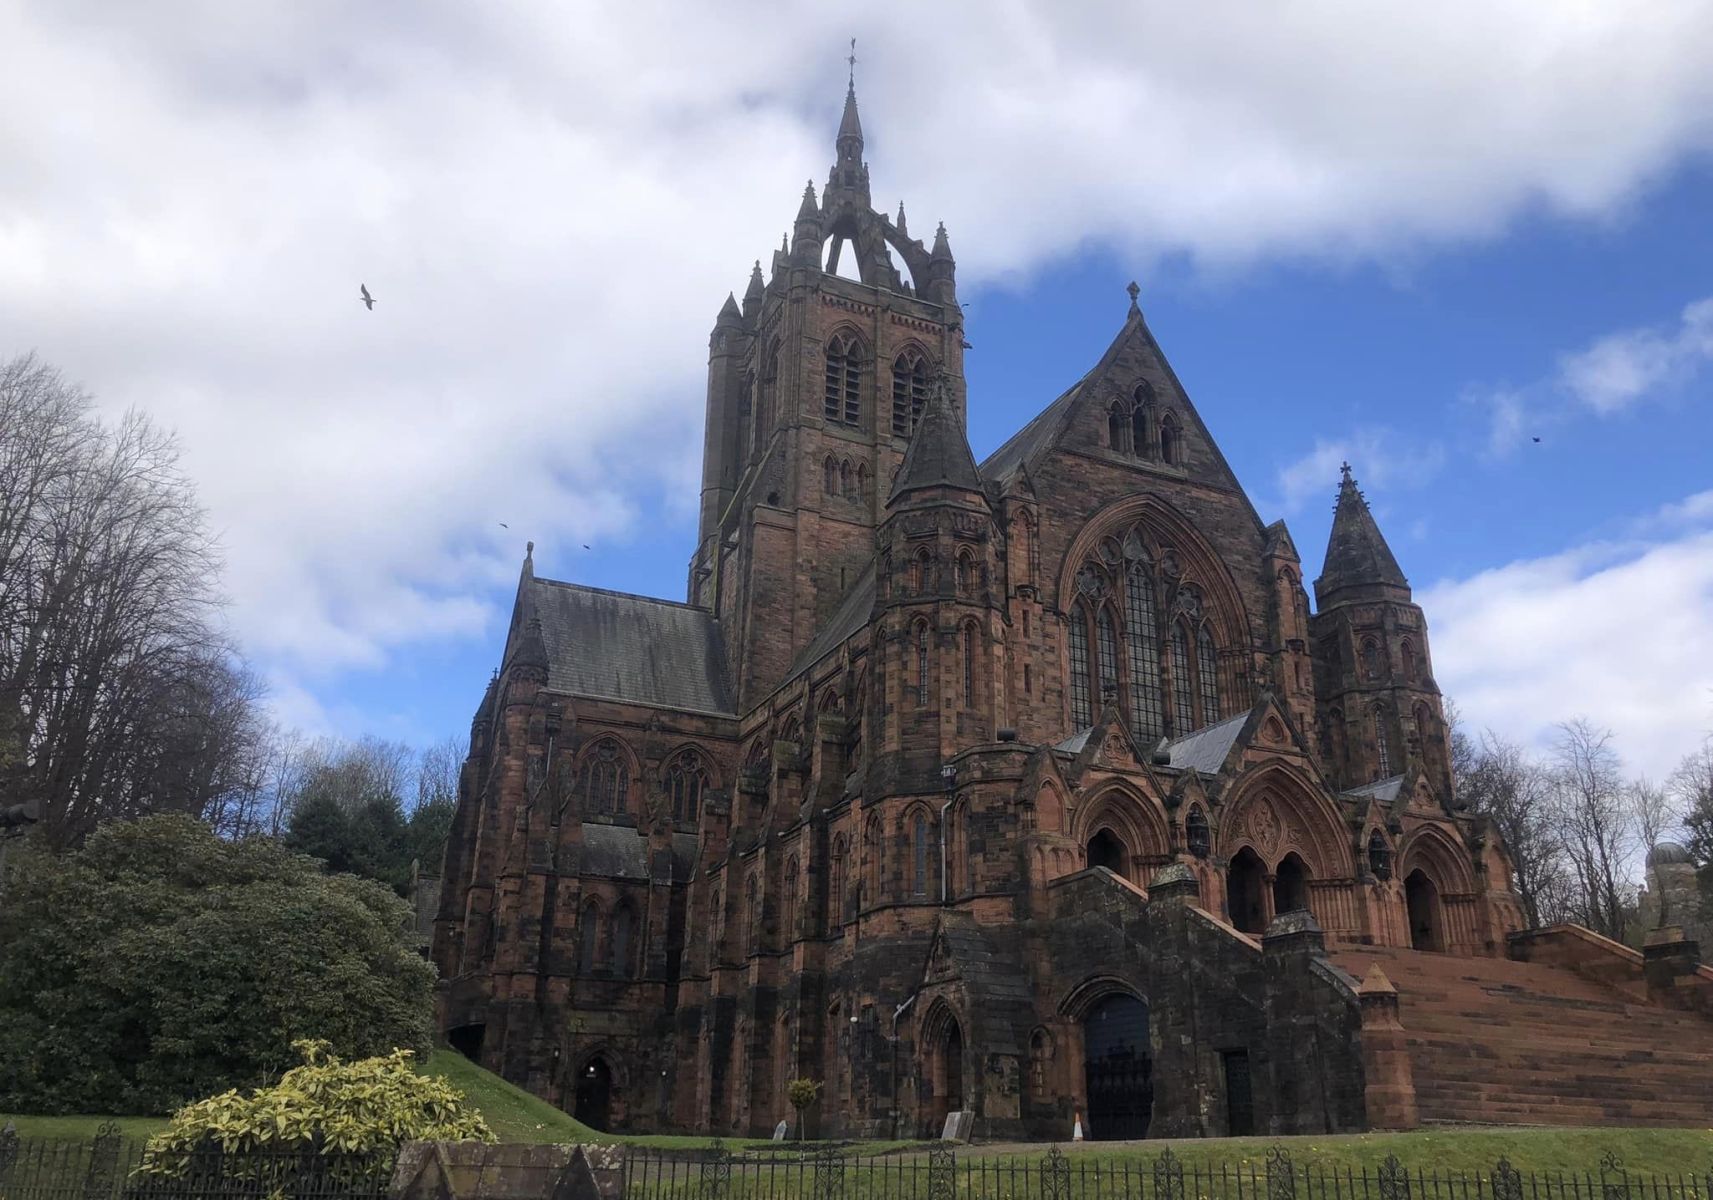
{"points": [[1417, 242]]}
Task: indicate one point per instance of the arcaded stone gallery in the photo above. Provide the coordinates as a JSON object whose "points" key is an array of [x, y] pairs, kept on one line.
{"points": [[1031, 788]]}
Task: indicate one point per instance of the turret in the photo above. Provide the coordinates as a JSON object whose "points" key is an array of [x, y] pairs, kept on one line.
{"points": [[806, 238], [942, 287], [1379, 707]]}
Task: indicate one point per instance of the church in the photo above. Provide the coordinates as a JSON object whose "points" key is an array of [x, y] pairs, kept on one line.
{"points": [[1031, 788]]}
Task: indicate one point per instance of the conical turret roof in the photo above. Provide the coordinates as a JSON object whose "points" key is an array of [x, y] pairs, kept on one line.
{"points": [[850, 125], [1356, 553], [939, 453]]}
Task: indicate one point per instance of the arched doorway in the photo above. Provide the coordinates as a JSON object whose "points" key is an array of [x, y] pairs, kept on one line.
{"points": [[594, 1094], [1243, 897], [946, 1074], [1290, 885], [1105, 850], [1421, 898], [1119, 1069]]}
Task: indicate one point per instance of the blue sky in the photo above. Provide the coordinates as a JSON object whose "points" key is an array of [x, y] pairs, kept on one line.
{"points": [[1413, 242]]}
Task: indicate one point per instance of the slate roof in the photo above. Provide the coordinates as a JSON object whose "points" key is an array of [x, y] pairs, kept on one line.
{"points": [[1205, 750], [850, 616], [1075, 743], [1384, 790], [1028, 444], [620, 852], [614, 646]]}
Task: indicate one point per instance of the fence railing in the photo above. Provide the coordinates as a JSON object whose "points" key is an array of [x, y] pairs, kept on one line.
{"points": [[942, 1174], [108, 1168]]}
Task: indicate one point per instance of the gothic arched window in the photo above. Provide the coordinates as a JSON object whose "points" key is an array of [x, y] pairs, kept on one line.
{"points": [[1382, 744], [1170, 450], [606, 779], [1197, 836], [843, 398], [922, 570], [966, 573], [1379, 856], [1139, 426], [1370, 658], [919, 855], [922, 665], [686, 780], [1118, 428], [836, 856], [1207, 675], [861, 492], [589, 937], [1082, 715], [969, 665], [752, 915], [1141, 630], [874, 864], [623, 933], [788, 898], [830, 477], [909, 392], [845, 478], [1408, 652]]}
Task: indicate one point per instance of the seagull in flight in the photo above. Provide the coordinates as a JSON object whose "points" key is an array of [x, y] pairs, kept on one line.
{"points": [[1537, 439], [368, 300]]}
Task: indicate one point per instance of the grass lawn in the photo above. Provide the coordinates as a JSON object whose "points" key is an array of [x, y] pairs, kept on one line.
{"points": [[516, 1116], [1438, 1149]]}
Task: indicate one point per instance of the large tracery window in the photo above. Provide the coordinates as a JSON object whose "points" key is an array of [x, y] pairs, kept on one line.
{"points": [[686, 780], [843, 399], [606, 779], [1183, 702], [1147, 711], [909, 392]]}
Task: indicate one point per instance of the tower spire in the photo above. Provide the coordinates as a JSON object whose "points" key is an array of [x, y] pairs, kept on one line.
{"points": [[1357, 555]]}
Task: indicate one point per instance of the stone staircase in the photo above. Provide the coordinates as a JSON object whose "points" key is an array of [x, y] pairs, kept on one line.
{"points": [[1495, 1041]]}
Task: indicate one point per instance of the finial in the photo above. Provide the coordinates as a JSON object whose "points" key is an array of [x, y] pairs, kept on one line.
{"points": [[785, 243], [1134, 292], [528, 549], [852, 60], [1344, 472]]}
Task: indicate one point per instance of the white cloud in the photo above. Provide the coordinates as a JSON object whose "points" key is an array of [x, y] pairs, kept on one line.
{"points": [[1619, 631], [1607, 377], [1621, 368], [1379, 458], [549, 207]]}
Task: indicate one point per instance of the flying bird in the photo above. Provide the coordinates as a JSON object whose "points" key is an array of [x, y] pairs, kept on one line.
{"points": [[368, 300], [503, 525], [1537, 439], [585, 545]]}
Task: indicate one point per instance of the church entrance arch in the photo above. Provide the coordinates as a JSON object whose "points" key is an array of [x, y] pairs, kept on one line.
{"points": [[945, 1069], [1106, 850], [1244, 882], [595, 1094], [1421, 899], [1118, 1068]]}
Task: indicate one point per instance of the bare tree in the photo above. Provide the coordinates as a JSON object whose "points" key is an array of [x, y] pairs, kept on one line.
{"points": [[1655, 811], [1691, 786], [119, 695], [1596, 825], [1503, 782]]}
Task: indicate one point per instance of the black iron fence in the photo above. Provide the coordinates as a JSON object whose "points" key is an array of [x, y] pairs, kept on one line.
{"points": [[942, 1174], [110, 1167]]}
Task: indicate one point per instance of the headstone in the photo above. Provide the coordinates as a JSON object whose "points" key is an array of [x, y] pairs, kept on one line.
{"points": [[779, 1131], [958, 1126]]}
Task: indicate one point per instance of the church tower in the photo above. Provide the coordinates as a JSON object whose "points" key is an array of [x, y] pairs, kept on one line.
{"points": [[1380, 709], [815, 386]]}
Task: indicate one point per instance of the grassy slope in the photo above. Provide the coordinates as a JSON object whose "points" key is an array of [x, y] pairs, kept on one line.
{"points": [[516, 1116]]}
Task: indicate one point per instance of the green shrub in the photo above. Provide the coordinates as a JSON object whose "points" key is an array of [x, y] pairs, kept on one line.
{"points": [[160, 963], [371, 1106]]}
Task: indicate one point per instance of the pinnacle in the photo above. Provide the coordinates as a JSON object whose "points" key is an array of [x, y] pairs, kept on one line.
{"points": [[1356, 551]]}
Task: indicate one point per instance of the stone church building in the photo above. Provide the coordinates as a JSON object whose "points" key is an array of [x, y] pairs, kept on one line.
{"points": [[1033, 787]]}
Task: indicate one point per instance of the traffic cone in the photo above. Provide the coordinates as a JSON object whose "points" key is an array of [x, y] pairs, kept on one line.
{"points": [[1077, 1132]]}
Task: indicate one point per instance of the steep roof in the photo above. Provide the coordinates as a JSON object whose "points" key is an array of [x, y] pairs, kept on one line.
{"points": [[635, 649], [1029, 444], [850, 616], [1206, 749], [1356, 553], [938, 455]]}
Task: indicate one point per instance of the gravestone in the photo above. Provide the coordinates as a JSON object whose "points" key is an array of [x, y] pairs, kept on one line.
{"points": [[779, 1132], [958, 1126]]}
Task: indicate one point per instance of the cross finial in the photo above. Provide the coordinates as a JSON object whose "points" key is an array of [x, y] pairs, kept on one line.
{"points": [[852, 60], [1344, 470], [1134, 292]]}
